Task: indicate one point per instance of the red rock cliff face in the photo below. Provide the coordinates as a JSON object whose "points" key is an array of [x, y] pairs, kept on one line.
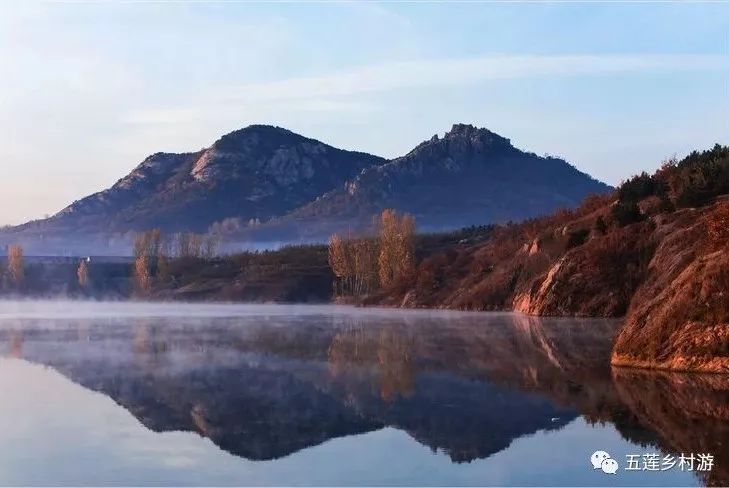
{"points": [[539, 268], [596, 279], [663, 274], [679, 317], [669, 275]]}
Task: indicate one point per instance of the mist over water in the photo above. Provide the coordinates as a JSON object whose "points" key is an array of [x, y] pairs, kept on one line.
{"points": [[88, 309], [101, 247], [201, 394]]}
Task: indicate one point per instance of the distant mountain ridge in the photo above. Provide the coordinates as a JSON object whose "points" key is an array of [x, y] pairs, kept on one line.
{"points": [[256, 172], [469, 176], [302, 189]]}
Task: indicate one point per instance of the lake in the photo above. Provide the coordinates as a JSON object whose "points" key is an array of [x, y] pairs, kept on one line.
{"points": [[145, 394]]}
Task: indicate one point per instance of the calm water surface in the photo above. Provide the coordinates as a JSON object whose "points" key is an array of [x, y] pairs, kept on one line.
{"points": [[133, 394]]}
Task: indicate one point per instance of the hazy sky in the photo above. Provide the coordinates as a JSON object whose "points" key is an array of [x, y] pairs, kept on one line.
{"points": [[89, 90]]}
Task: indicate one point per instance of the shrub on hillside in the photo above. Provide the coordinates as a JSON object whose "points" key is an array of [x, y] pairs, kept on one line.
{"points": [[700, 177], [717, 224], [626, 213], [577, 238], [641, 186], [692, 182]]}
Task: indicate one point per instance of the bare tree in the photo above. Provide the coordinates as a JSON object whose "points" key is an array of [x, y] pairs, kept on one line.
{"points": [[148, 243], [196, 245], [211, 243], [190, 245], [182, 241]]}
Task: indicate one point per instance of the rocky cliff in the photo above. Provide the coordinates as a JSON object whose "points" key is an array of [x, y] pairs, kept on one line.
{"points": [[679, 316], [656, 252]]}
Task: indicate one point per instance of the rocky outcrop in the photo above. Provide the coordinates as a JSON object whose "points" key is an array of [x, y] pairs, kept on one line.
{"points": [[597, 279], [663, 275], [679, 317]]}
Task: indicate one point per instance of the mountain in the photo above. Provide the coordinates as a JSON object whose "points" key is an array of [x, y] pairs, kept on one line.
{"points": [[469, 176], [254, 173], [303, 189]]}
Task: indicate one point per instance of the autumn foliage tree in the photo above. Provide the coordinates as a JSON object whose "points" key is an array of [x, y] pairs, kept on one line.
{"points": [[397, 246], [142, 276], [362, 265], [147, 250], [364, 257], [340, 262], [82, 274], [354, 264], [16, 264]]}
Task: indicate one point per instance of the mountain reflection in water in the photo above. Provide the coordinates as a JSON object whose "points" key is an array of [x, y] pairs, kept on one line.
{"points": [[268, 383]]}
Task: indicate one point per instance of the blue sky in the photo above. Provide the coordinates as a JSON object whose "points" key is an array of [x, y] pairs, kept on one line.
{"points": [[87, 90]]}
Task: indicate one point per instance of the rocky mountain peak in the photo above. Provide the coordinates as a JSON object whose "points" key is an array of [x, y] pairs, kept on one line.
{"points": [[462, 129], [259, 171], [255, 135], [278, 153], [464, 142], [476, 136], [468, 175]]}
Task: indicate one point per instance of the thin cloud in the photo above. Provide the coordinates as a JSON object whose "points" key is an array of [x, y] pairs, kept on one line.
{"points": [[429, 73], [155, 116]]}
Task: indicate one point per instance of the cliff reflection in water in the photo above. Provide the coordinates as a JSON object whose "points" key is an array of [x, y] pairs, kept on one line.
{"points": [[266, 385]]}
